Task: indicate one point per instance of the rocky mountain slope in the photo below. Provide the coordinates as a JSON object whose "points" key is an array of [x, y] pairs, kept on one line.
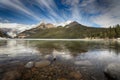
{"points": [[71, 30], [35, 30], [3, 34]]}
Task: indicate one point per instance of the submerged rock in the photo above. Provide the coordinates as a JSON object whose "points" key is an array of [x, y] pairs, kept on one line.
{"points": [[29, 65], [1, 70], [11, 75], [41, 64], [62, 79], [113, 71], [83, 63], [76, 75]]}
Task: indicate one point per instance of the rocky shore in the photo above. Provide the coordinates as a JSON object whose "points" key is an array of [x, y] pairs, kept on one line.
{"points": [[42, 70], [52, 70]]}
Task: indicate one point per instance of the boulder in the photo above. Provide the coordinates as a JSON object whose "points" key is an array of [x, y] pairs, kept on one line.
{"points": [[113, 71]]}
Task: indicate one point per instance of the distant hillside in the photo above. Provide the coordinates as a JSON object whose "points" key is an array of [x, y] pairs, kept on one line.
{"points": [[70, 31]]}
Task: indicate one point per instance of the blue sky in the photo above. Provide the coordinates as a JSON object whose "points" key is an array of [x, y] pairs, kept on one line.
{"points": [[97, 13]]}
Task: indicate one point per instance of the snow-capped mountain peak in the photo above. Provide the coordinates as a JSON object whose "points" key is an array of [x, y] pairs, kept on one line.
{"points": [[64, 23]]}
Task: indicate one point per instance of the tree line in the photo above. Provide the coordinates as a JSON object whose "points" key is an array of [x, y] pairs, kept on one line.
{"points": [[110, 33]]}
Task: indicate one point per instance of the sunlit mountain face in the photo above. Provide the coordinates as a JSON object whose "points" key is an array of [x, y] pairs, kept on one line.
{"points": [[96, 13]]}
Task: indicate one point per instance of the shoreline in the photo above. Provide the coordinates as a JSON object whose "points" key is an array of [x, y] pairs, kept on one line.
{"points": [[43, 39]]}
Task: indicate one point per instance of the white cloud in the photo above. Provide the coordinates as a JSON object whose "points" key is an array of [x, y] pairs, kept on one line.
{"points": [[78, 8], [111, 15], [106, 20], [105, 14], [90, 7], [16, 26], [12, 34]]}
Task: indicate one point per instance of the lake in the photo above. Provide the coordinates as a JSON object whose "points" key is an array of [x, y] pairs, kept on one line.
{"points": [[57, 60]]}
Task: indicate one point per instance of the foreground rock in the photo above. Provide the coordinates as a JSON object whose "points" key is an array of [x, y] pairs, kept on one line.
{"points": [[113, 71], [38, 64], [56, 71], [76, 75], [83, 63], [12, 75], [41, 64], [29, 65]]}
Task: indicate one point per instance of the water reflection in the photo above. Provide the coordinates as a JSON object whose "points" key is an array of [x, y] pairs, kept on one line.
{"points": [[61, 49], [89, 57], [84, 56], [62, 54], [14, 50]]}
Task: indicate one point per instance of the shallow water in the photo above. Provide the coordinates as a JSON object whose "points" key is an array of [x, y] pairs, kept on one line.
{"points": [[89, 58]]}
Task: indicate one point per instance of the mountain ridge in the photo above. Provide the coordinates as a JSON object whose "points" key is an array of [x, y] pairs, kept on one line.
{"points": [[73, 30], [42, 31]]}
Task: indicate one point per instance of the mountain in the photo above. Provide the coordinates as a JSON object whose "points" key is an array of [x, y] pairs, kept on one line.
{"points": [[40, 27], [12, 29], [71, 30], [75, 25], [3, 34], [66, 30], [10, 32], [44, 26]]}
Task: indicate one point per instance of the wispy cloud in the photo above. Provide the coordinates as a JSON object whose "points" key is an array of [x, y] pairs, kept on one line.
{"points": [[18, 5], [80, 10], [51, 7], [74, 8], [87, 12], [110, 15]]}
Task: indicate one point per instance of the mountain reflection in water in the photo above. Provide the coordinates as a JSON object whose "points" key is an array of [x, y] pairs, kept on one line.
{"points": [[87, 57]]}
